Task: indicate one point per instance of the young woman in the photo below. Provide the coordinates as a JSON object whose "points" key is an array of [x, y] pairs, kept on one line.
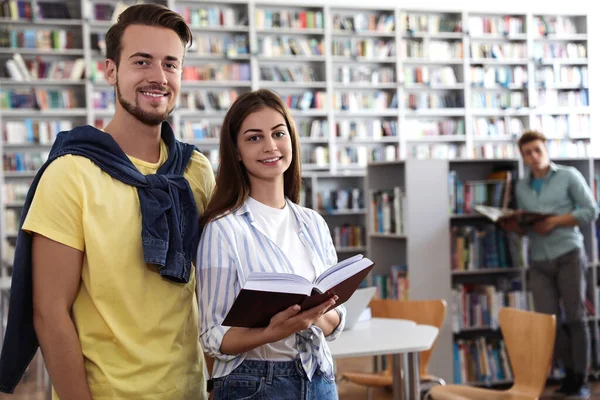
{"points": [[253, 223]]}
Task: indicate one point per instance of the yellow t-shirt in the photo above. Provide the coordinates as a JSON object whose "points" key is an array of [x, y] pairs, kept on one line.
{"points": [[138, 331]]}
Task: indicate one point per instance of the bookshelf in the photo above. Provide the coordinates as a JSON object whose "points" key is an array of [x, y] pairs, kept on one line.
{"points": [[497, 276], [341, 200], [487, 268], [372, 88], [513, 279], [420, 248]]}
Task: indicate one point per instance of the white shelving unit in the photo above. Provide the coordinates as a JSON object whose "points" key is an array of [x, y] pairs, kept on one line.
{"points": [[424, 244], [364, 89], [426, 248]]}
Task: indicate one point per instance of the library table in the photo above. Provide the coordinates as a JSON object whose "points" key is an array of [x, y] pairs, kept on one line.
{"points": [[402, 339]]}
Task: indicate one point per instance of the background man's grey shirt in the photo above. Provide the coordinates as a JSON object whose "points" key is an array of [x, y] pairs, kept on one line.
{"points": [[564, 190]]}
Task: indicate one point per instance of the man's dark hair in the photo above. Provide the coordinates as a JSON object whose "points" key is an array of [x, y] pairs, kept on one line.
{"points": [[530, 136], [148, 15]]}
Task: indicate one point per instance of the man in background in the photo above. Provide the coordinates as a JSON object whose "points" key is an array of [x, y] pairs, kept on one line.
{"points": [[557, 257]]}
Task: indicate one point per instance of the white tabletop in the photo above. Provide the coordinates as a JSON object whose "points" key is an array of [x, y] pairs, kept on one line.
{"points": [[383, 336]]}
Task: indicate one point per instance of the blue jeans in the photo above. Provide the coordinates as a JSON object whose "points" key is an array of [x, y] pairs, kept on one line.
{"points": [[281, 380]]}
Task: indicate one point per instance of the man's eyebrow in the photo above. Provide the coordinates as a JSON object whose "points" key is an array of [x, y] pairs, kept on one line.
{"points": [[140, 54], [149, 56]]}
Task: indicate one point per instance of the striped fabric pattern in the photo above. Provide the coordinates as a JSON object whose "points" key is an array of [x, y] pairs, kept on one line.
{"points": [[230, 249]]}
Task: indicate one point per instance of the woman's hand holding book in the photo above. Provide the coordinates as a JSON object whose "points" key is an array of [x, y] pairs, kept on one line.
{"points": [[291, 320]]}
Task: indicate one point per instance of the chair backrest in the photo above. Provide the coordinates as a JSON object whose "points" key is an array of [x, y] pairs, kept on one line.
{"points": [[423, 312], [529, 340]]}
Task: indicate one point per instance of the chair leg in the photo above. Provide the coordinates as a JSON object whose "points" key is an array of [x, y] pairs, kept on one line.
{"points": [[440, 381], [430, 379], [369, 393], [428, 384]]}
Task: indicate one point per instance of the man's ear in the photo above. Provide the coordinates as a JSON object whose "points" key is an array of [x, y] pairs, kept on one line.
{"points": [[110, 72]]}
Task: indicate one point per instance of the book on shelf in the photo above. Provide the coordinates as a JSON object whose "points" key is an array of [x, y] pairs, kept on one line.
{"points": [[478, 248], [361, 22], [522, 217], [348, 236], [481, 360], [31, 131], [360, 156], [389, 211], [343, 199], [102, 12], [38, 99], [491, 151], [496, 26], [425, 151], [476, 306], [23, 162], [16, 10], [393, 285], [267, 294], [212, 16], [52, 10], [496, 191], [305, 19]]}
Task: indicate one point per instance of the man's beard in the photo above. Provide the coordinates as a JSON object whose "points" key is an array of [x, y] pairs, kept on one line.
{"points": [[145, 117]]}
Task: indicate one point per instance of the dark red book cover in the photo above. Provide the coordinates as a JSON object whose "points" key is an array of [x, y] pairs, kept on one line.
{"points": [[254, 309]]}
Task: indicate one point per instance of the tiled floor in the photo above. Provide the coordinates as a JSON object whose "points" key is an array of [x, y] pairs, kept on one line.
{"points": [[31, 389]]}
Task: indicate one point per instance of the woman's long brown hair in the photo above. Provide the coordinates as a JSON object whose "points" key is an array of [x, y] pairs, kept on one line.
{"points": [[232, 182]]}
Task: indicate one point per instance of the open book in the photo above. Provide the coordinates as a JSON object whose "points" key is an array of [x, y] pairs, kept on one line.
{"points": [[266, 293], [522, 217]]}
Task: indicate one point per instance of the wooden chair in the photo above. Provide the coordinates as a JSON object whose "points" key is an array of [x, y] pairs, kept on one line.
{"points": [[529, 340], [423, 312]]}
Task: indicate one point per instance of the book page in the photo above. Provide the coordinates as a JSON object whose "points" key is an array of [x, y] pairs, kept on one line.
{"points": [[338, 266], [493, 213], [278, 282], [340, 274], [522, 217]]}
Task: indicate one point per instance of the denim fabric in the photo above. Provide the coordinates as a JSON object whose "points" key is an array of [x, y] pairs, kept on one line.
{"points": [[282, 380], [170, 231]]}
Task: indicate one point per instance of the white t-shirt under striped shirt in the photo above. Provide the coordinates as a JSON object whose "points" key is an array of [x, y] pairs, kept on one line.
{"points": [[281, 227]]}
